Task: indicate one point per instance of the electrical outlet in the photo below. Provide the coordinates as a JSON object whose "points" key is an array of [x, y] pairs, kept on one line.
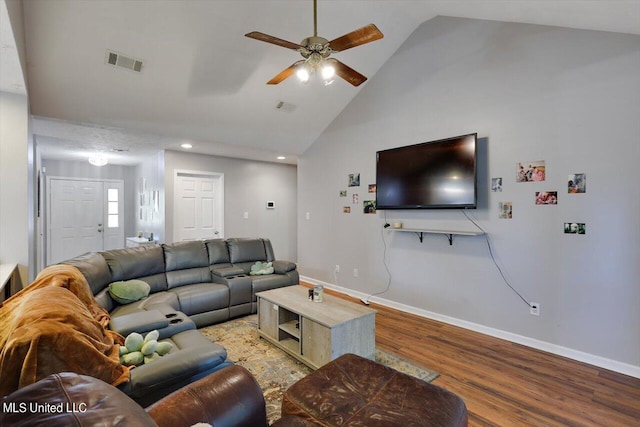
{"points": [[337, 270], [534, 309], [355, 272]]}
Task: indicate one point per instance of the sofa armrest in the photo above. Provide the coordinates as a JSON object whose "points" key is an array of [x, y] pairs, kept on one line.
{"points": [[227, 271], [281, 267], [229, 397], [141, 322]]}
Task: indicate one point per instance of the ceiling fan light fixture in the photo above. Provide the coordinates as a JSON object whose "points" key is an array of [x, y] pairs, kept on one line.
{"points": [[328, 71], [316, 51], [98, 160], [303, 73]]}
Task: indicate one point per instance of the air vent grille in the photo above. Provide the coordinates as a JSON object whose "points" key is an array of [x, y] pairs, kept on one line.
{"points": [[123, 61], [285, 106]]}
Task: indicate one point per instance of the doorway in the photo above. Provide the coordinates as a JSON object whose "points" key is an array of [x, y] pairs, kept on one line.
{"points": [[198, 205], [83, 215]]}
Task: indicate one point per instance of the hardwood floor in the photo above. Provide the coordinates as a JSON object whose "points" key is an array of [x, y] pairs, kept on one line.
{"points": [[508, 384]]}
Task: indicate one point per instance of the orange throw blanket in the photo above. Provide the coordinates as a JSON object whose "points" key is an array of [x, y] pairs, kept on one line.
{"points": [[55, 325]]}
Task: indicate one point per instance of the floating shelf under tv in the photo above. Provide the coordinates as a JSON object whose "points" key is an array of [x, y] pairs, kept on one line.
{"points": [[448, 233]]}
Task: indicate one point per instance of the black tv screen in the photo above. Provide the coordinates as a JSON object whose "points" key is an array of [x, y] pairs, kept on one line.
{"points": [[432, 175]]}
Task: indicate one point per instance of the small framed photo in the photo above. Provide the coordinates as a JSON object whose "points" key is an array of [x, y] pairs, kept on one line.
{"points": [[369, 206], [496, 185], [546, 197], [343, 193], [346, 209], [354, 199], [354, 180], [577, 183], [531, 171], [372, 188], [506, 210], [575, 228]]}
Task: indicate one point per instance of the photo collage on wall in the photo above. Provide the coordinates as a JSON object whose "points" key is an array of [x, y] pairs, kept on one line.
{"points": [[536, 171], [368, 206]]}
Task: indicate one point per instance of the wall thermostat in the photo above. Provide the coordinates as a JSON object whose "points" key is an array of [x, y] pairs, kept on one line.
{"points": [[271, 205]]}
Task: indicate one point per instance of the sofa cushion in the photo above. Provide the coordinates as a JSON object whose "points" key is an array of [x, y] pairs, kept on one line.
{"points": [[268, 250], [246, 250], [143, 262], [94, 268], [184, 255], [164, 298], [202, 297], [126, 292], [218, 251]]}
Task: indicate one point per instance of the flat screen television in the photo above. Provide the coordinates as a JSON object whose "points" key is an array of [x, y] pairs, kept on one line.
{"points": [[432, 175]]}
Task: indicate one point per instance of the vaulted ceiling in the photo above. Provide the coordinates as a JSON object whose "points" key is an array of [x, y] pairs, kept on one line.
{"points": [[203, 82]]}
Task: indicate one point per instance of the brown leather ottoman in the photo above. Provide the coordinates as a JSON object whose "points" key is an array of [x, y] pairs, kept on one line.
{"points": [[354, 391]]}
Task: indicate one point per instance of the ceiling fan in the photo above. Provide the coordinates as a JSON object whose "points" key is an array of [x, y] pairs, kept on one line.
{"points": [[317, 51]]}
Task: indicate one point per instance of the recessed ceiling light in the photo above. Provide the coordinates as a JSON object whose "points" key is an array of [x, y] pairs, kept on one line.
{"points": [[186, 145], [281, 157]]}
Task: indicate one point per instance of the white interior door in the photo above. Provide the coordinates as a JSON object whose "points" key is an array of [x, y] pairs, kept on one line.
{"points": [[198, 208], [83, 216]]}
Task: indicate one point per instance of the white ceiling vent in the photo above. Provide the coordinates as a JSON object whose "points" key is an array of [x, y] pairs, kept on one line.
{"points": [[120, 60], [285, 106]]}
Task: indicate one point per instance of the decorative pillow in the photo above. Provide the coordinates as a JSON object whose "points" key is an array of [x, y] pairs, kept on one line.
{"points": [[129, 291], [261, 268], [138, 350]]}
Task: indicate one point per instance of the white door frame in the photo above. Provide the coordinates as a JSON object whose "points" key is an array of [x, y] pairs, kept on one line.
{"points": [[219, 192], [47, 207]]}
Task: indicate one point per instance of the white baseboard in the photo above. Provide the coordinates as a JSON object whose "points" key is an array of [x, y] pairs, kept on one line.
{"points": [[602, 362]]}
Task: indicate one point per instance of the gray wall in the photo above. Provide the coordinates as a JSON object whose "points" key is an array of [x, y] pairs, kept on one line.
{"points": [[569, 97], [152, 221], [248, 185]]}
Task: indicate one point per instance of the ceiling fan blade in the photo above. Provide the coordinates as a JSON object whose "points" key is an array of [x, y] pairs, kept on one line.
{"points": [[284, 74], [347, 73], [368, 33], [273, 40]]}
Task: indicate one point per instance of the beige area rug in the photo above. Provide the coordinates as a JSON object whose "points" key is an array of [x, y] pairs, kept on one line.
{"points": [[274, 369]]}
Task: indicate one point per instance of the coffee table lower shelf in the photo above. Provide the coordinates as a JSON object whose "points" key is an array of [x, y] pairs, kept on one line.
{"points": [[315, 333]]}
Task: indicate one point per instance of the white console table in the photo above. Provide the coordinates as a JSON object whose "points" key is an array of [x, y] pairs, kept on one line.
{"points": [[8, 274], [448, 233], [134, 242]]}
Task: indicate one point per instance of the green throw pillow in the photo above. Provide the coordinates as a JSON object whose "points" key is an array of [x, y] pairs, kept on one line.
{"points": [[126, 292]]}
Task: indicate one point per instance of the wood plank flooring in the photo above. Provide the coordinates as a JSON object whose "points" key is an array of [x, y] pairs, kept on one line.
{"points": [[508, 384]]}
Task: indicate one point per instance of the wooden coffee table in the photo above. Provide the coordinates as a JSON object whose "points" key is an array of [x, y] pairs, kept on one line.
{"points": [[315, 332]]}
